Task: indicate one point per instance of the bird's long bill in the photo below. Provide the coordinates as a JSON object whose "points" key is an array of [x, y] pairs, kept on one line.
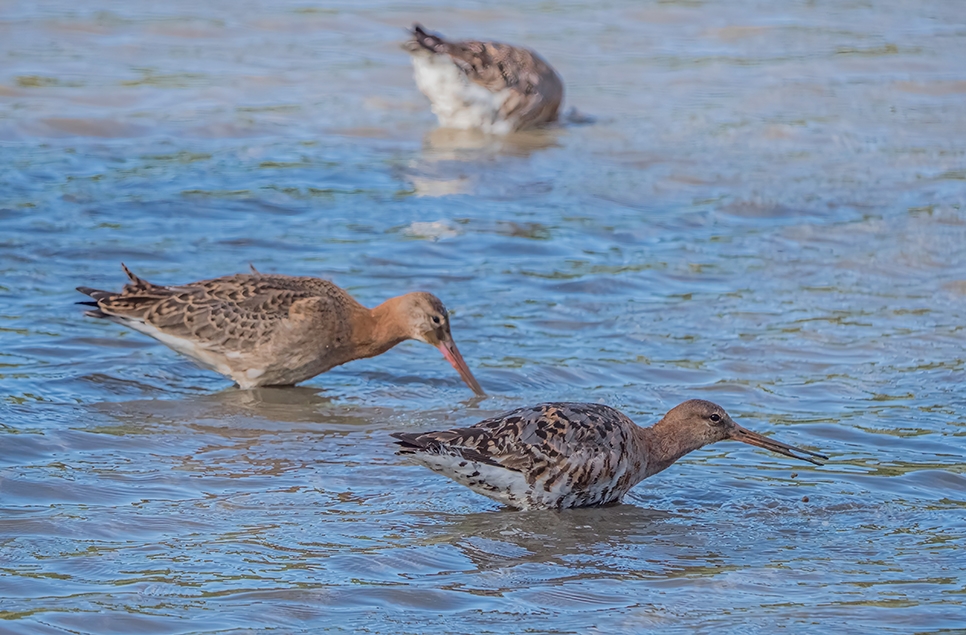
{"points": [[452, 355], [753, 438]]}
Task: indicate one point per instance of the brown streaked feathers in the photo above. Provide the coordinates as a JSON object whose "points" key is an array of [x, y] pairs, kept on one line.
{"points": [[271, 329]]}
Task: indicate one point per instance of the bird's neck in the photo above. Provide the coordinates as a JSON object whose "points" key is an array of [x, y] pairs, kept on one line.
{"points": [[380, 329], [664, 445]]}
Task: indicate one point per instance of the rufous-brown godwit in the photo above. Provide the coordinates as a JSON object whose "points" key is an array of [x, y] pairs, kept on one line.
{"points": [[275, 330], [495, 87], [559, 455]]}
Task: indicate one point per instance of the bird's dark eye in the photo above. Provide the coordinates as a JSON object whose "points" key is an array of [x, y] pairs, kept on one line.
{"points": [[435, 319], [715, 417]]}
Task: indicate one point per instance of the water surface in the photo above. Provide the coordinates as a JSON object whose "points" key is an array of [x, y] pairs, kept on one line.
{"points": [[768, 212]]}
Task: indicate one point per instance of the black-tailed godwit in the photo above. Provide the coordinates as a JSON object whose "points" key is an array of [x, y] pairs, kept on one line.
{"points": [[275, 330], [559, 455], [494, 87]]}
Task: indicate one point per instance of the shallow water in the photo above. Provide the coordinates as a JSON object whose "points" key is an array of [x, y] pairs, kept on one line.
{"points": [[768, 212]]}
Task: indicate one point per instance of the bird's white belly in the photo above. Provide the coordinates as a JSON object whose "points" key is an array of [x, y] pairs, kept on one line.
{"points": [[457, 101], [512, 488], [502, 485], [187, 347]]}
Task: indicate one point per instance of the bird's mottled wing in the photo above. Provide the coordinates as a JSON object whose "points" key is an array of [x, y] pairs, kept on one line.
{"points": [[531, 440], [497, 66], [232, 313]]}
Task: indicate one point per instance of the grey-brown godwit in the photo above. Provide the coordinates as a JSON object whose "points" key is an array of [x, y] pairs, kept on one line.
{"points": [[495, 87], [559, 455], [275, 330]]}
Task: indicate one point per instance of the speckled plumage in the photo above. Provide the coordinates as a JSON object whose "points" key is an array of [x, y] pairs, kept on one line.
{"points": [[270, 329], [560, 455], [488, 85]]}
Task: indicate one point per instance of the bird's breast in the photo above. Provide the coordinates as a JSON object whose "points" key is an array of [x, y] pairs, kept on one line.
{"points": [[457, 101]]}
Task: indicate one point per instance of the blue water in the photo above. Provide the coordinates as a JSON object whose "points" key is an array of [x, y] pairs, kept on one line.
{"points": [[769, 211]]}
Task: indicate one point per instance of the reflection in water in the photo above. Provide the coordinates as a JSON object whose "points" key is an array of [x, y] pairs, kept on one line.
{"points": [[455, 144], [493, 540], [454, 161], [268, 405]]}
